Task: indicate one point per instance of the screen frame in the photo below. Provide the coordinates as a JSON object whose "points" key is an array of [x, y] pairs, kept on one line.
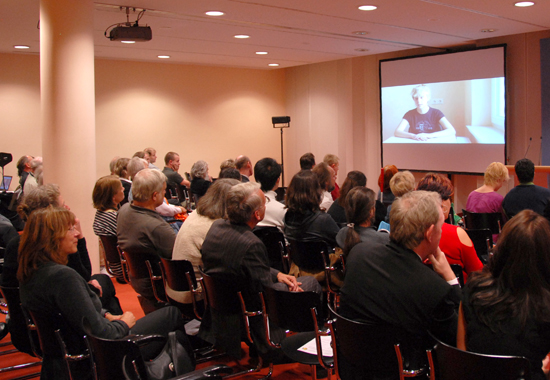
{"points": [[448, 52]]}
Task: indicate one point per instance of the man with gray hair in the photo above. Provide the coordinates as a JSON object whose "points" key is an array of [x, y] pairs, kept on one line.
{"points": [[231, 249], [142, 233], [389, 284]]}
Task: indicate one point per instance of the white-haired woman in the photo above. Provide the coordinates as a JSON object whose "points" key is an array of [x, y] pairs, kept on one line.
{"points": [[200, 179]]}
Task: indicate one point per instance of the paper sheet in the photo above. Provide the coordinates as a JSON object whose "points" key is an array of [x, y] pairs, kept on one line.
{"points": [[311, 348]]}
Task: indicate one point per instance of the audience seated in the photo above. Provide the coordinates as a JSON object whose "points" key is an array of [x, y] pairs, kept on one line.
{"points": [[325, 176], [334, 162], [230, 173], [141, 231], [200, 179], [112, 164], [455, 243], [23, 169], [231, 249], [386, 196], [107, 194], [268, 173], [191, 236], [388, 284], [34, 178], [174, 180], [307, 161], [336, 210], [121, 170], [485, 198], [526, 195], [507, 305], [244, 166], [49, 287], [400, 184], [360, 206], [229, 163], [43, 197]]}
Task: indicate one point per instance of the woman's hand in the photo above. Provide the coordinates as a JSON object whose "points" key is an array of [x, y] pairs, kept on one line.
{"points": [[128, 318]]}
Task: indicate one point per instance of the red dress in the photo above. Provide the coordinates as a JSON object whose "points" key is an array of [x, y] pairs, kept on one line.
{"points": [[458, 253]]}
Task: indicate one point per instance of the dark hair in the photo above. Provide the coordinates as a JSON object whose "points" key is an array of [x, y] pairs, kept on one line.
{"points": [[267, 171], [212, 204], [139, 154], [354, 178], [104, 190], [41, 240], [360, 204], [230, 173], [438, 183], [241, 162], [516, 282], [21, 164], [304, 193], [525, 170], [307, 161], [323, 174], [170, 156], [386, 176]]}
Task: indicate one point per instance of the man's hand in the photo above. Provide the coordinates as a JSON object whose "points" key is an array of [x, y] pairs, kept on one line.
{"points": [[128, 318], [290, 281], [96, 285], [441, 265]]}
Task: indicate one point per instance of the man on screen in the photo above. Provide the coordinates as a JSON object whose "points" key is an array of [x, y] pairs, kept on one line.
{"points": [[424, 122]]}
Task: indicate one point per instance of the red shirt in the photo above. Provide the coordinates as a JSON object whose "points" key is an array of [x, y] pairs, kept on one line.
{"points": [[458, 253]]}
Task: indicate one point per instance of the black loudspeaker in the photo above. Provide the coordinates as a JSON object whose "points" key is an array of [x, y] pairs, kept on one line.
{"points": [[280, 119], [5, 158]]}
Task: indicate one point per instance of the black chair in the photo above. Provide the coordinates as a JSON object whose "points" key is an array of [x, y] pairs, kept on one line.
{"points": [[296, 312], [112, 257], [124, 265], [20, 337], [64, 347], [139, 270], [478, 220], [372, 349], [450, 363], [223, 295], [121, 358], [274, 241], [483, 243], [179, 276], [314, 256]]}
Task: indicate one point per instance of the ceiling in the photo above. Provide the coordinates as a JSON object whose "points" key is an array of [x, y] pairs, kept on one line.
{"points": [[293, 32]]}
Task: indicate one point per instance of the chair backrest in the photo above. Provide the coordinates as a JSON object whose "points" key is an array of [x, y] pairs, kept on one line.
{"points": [[157, 281], [292, 310], [309, 255], [222, 293], [483, 242], [480, 220], [368, 346], [136, 263], [453, 364], [274, 241], [112, 256], [24, 339], [174, 274]]}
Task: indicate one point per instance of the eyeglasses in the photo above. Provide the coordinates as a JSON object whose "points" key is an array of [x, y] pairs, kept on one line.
{"points": [[72, 229]]}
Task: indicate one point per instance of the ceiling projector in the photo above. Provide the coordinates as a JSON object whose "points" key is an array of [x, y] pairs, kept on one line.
{"points": [[131, 33]]}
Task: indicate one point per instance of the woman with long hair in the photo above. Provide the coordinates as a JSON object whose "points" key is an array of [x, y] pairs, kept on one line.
{"points": [[48, 287], [507, 305], [360, 207], [336, 210]]}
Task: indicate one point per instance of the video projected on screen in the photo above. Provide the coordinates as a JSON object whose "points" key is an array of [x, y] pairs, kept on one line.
{"points": [[445, 112]]}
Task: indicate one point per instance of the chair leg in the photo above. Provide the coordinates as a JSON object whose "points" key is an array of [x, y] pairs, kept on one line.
{"points": [[252, 370], [21, 366]]}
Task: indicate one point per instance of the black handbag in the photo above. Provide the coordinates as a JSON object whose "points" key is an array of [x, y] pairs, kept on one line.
{"points": [[172, 361]]}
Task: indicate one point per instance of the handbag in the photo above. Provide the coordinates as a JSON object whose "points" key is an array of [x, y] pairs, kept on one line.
{"points": [[172, 361]]}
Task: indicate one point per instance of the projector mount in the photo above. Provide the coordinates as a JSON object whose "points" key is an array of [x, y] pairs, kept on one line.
{"points": [[126, 31]]}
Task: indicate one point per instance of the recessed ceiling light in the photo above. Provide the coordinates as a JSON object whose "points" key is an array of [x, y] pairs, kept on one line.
{"points": [[524, 4], [214, 13], [488, 30], [261, 52], [164, 56], [273, 64], [242, 36], [361, 49], [360, 33], [21, 47], [367, 7], [128, 42]]}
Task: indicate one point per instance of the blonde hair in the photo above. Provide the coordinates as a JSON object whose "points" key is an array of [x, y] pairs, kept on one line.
{"points": [[421, 89], [494, 173], [331, 159], [402, 183]]}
